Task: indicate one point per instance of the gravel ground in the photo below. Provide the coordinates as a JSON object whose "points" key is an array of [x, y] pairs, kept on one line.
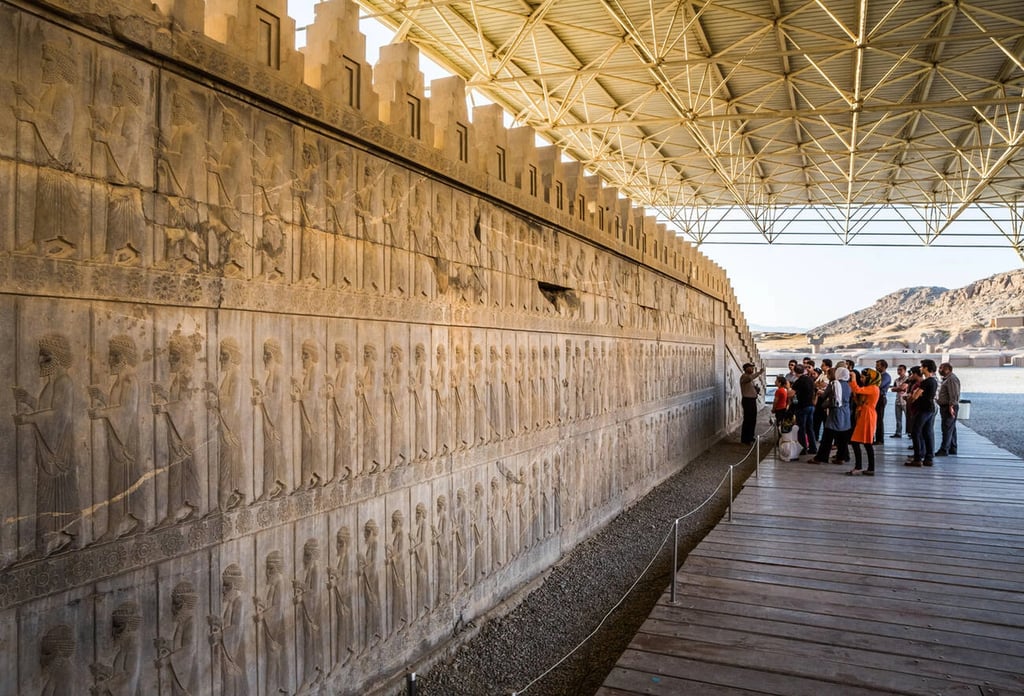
{"points": [[510, 651], [997, 417]]}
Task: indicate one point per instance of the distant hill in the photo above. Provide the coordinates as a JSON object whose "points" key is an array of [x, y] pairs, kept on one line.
{"points": [[914, 317]]}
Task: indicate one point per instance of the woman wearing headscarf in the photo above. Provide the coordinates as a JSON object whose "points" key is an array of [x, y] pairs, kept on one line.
{"points": [[866, 394], [836, 401]]}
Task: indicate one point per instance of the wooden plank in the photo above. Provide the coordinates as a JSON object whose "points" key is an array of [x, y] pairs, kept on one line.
{"points": [[908, 582]]}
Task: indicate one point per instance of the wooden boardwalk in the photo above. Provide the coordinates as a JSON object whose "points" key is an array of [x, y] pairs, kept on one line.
{"points": [[910, 582]]}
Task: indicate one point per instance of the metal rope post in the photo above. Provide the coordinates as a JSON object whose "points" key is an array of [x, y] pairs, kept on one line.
{"points": [[731, 467], [410, 684], [675, 558], [757, 456]]}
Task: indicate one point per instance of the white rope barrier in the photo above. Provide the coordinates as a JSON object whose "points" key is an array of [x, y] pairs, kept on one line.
{"points": [[673, 532]]}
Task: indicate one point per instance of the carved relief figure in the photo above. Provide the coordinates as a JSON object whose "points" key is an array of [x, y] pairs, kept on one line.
{"points": [[270, 178], [271, 628], [509, 392], [523, 540], [50, 117], [339, 586], [494, 524], [225, 402], [478, 518], [417, 392], [228, 170], [440, 536], [460, 532], [174, 404], [308, 613], [420, 562], [306, 395], [184, 243], [339, 215], [369, 584], [460, 400], [176, 659], [50, 420], [419, 216], [121, 676], [439, 386], [368, 217], [55, 650], [394, 561], [395, 228], [495, 392], [394, 386], [476, 386], [339, 405], [366, 396], [524, 393], [118, 412], [310, 190], [117, 130], [227, 635], [268, 398]]}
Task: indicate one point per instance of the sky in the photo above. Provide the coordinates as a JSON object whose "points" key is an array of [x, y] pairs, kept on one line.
{"points": [[793, 286]]}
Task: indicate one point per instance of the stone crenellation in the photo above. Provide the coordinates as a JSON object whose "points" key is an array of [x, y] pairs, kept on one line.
{"points": [[306, 365]]}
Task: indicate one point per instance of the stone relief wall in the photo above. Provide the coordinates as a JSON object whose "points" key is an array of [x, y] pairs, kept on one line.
{"points": [[292, 398]]}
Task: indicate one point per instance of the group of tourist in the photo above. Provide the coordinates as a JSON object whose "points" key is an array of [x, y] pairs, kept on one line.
{"points": [[840, 407]]}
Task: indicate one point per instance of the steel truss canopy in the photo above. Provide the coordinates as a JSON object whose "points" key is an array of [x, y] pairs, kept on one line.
{"points": [[763, 117]]}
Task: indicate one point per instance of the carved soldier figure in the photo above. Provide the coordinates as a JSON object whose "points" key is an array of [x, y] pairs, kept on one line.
{"points": [[339, 213], [309, 615], [177, 658], [460, 532], [121, 676], [417, 392], [439, 386], [509, 392], [369, 584], [440, 539], [271, 627], [461, 400], [394, 560], [50, 420], [55, 650], [420, 562], [495, 393], [225, 402], [339, 585], [368, 215], [366, 397], [51, 119], [306, 395], [269, 401], [394, 385], [229, 168], [478, 518], [395, 228], [227, 635], [174, 403], [118, 412], [310, 190], [270, 178], [116, 130], [339, 405], [495, 513], [477, 377], [184, 244]]}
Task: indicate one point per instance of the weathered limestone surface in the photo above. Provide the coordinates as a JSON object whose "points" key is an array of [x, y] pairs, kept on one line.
{"points": [[306, 372]]}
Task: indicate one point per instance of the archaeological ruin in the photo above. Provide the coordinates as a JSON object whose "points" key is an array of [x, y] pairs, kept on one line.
{"points": [[308, 364]]}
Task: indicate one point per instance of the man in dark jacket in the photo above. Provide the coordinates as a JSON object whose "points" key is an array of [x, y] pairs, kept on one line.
{"points": [[806, 391]]}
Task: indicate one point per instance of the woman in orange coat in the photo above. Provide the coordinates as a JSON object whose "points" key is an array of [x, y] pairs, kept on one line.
{"points": [[866, 395]]}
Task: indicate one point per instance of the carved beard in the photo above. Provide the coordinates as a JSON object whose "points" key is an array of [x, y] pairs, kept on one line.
{"points": [[48, 370]]}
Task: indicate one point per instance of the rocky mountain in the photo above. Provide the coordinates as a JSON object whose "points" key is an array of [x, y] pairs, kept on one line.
{"points": [[934, 316]]}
